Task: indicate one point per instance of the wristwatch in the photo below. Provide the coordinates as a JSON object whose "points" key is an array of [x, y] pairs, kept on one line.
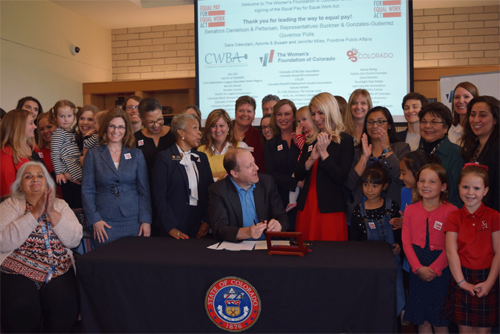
{"points": [[387, 150]]}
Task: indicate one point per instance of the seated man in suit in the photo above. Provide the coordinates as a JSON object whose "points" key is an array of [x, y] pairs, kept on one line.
{"points": [[245, 203]]}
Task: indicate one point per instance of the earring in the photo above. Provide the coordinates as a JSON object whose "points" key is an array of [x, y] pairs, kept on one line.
{"points": [[182, 138]]}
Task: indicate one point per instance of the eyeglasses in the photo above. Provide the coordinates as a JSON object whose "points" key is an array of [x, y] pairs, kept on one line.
{"points": [[114, 127], [379, 122], [432, 123], [152, 123], [131, 108], [265, 127]]}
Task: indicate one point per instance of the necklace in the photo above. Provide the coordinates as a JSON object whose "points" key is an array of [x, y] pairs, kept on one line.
{"points": [[240, 138], [115, 151], [476, 155]]}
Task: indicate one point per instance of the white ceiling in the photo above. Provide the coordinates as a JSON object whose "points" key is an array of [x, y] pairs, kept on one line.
{"points": [[115, 14]]}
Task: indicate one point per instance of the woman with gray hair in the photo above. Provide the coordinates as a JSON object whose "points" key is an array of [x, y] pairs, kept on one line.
{"points": [[37, 231], [181, 177]]}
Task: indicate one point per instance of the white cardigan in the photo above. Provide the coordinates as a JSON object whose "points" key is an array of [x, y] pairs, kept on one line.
{"points": [[16, 225]]}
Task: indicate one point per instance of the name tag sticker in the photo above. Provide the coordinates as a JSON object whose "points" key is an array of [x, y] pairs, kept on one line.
{"points": [[140, 142], [128, 156], [250, 148], [438, 225], [40, 154], [372, 225], [310, 148], [280, 147]]}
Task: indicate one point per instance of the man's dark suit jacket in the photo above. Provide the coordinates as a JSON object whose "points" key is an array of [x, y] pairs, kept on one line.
{"points": [[226, 216]]}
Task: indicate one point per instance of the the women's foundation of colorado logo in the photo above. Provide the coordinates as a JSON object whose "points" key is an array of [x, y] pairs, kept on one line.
{"points": [[233, 304]]}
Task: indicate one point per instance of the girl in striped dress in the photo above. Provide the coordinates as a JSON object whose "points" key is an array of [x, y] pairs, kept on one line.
{"points": [[65, 153]]}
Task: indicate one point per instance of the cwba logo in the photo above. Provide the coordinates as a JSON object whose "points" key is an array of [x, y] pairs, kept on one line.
{"points": [[264, 60], [224, 58]]}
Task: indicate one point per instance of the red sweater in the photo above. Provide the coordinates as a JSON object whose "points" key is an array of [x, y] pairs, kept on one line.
{"points": [[414, 231], [9, 170]]}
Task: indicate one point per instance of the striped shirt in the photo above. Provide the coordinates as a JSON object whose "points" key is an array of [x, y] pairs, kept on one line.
{"points": [[65, 154], [90, 142]]}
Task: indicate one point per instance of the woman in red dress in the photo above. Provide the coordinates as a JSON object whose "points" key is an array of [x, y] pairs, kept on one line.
{"points": [[324, 164]]}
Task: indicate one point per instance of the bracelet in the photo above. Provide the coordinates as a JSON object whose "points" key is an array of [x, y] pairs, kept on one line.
{"points": [[461, 282]]}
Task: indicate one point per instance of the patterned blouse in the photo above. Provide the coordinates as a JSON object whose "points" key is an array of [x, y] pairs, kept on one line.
{"points": [[33, 260]]}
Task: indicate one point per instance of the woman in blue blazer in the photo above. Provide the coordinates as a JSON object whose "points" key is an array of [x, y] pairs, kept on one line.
{"points": [[115, 188], [181, 177]]}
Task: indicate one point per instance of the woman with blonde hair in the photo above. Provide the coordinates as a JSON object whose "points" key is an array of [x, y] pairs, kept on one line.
{"points": [[17, 146], [218, 137], [324, 165], [359, 103]]}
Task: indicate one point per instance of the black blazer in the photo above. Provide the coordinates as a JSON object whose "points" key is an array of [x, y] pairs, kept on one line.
{"points": [[402, 135], [226, 216], [280, 164], [331, 175], [490, 157], [171, 191]]}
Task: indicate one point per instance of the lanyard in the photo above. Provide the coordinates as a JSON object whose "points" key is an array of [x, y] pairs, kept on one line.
{"points": [[45, 230]]}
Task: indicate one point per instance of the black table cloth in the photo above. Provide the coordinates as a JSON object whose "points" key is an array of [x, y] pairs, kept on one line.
{"points": [[159, 285]]}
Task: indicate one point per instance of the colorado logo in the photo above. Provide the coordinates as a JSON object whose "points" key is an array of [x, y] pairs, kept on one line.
{"points": [[232, 304]]}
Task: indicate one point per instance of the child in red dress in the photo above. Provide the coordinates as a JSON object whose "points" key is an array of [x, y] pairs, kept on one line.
{"points": [[473, 248]]}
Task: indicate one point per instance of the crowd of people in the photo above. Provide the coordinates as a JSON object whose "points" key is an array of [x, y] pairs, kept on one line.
{"points": [[334, 170]]}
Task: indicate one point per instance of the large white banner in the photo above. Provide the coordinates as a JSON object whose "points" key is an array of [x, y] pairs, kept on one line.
{"points": [[298, 48]]}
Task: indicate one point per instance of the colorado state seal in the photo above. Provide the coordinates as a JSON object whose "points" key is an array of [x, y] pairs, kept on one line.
{"points": [[233, 304]]}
